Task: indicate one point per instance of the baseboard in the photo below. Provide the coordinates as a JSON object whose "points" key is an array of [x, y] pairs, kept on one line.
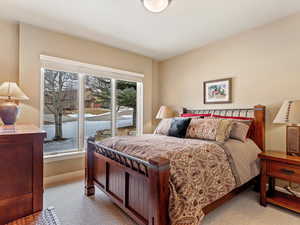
{"points": [[65, 177]]}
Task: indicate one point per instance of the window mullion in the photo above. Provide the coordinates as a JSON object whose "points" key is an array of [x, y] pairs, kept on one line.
{"points": [[42, 98], [113, 107], [140, 105], [81, 96]]}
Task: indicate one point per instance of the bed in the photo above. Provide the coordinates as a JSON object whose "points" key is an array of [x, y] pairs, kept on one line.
{"points": [[142, 185]]}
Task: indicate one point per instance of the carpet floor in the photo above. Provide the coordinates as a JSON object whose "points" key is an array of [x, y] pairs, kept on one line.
{"points": [[74, 208]]}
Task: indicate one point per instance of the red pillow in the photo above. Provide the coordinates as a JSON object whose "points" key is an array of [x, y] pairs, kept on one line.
{"points": [[232, 117], [195, 115]]}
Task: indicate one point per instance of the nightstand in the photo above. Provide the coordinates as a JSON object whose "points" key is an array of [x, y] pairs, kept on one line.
{"points": [[279, 165]]}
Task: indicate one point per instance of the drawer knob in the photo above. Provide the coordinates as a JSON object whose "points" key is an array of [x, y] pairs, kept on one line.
{"points": [[287, 172]]}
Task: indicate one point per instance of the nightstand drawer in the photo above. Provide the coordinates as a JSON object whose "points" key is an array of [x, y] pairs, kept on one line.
{"points": [[284, 171]]}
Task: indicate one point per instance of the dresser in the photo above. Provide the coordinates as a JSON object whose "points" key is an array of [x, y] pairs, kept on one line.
{"points": [[21, 171]]}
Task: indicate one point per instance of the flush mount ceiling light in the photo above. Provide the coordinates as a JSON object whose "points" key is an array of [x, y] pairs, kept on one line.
{"points": [[156, 6]]}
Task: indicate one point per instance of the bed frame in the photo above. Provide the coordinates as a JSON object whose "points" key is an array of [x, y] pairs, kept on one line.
{"points": [[141, 188]]}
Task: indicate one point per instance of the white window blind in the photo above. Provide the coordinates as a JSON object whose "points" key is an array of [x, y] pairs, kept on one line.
{"points": [[59, 64]]}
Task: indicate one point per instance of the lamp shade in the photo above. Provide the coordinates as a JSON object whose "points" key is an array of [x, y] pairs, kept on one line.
{"points": [[165, 112], [289, 113], [11, 91]]}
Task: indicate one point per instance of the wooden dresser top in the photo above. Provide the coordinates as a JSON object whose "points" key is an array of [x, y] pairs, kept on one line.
{"points": [[279, 156], [20, 129]]}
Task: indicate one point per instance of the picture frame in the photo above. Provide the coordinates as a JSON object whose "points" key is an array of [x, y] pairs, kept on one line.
{"points": [[217, 91]]}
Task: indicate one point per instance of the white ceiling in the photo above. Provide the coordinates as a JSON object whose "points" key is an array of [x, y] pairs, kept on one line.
{"points": [[125, 24]]}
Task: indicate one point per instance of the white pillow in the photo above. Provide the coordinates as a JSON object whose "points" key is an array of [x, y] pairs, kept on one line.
{"points": [[163, 127]]}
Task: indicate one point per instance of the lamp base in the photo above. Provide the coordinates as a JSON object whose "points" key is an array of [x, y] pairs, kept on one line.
{"points": [[293, 140], [9, 112]]}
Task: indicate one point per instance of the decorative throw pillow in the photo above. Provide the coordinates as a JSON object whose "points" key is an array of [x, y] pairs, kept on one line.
{"points": [[245, 120], [224, 129], [209, 129], [178, 127], [233, 117], [163, 127], [195, 115], [239, 131]]}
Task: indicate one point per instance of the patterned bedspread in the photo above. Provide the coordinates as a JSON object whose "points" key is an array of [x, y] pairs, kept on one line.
{"points": [[200, 173]]}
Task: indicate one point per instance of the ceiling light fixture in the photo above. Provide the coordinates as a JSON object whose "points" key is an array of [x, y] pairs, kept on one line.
{"points": [[156, 6]]}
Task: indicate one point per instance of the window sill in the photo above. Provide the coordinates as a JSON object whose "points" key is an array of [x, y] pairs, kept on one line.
{"points": [[63, 156]]}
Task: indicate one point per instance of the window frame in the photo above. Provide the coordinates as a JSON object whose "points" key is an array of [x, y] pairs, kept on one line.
{"points": [[81, 97]]}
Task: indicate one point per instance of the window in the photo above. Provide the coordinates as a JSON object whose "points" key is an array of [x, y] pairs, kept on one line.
{"points": [[60, 110], [126, 108], [98, 105], [80, 104]]}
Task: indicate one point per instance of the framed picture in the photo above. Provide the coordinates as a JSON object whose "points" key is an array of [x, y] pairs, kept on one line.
{"points": [[218, 91]]}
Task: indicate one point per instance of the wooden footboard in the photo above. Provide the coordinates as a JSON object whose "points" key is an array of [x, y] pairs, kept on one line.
{"points": [[139, 187]]}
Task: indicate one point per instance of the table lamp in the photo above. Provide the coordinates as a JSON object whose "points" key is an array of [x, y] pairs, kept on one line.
{"points": [[11, 94], [289, 114], [165, 112]]}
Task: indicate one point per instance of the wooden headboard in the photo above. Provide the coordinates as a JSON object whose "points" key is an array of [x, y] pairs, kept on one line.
{"points": [[257, 113]]}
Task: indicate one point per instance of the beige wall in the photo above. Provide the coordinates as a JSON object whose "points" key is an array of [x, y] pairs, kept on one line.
{"points": [[264, 64], [21, 46], [155, 93], [63, 166], [9, 56], [35, 41]]}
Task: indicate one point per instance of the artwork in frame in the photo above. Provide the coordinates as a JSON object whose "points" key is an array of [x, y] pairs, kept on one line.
{"points": [[218, 91]]}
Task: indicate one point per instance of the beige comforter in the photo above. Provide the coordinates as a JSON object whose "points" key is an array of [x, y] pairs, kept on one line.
{"points": [[200, 173]]}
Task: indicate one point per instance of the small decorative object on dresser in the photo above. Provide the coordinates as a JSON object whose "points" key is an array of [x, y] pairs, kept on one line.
{"points": [[12, 94], [289, 114], [283, 166], [217, 91], [21, 171]]}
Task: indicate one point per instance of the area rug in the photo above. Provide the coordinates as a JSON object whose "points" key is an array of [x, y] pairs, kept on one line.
{"points": [[46, 217]]}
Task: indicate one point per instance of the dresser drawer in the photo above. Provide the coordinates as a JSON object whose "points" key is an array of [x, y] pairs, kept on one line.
{"points": [[284, 171]]}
